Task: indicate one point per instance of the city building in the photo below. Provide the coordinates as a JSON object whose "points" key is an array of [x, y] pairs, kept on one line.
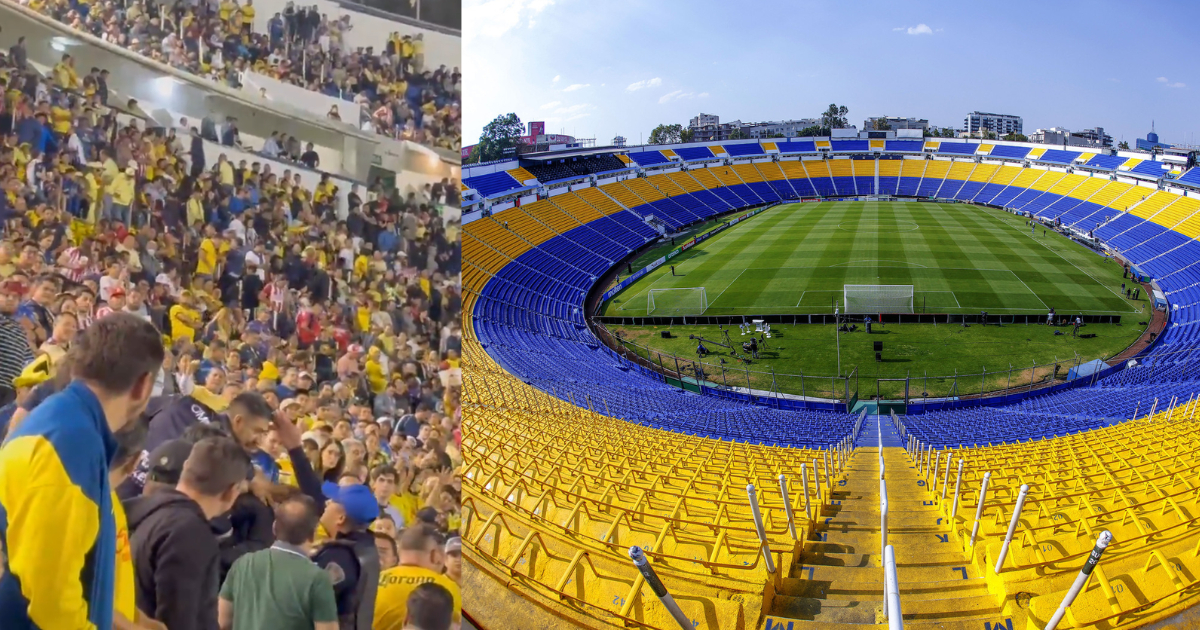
{"points": [[896, 122], [707, 127], [1000, 124], [1150, 142], [1087, 138], [778, 128]]}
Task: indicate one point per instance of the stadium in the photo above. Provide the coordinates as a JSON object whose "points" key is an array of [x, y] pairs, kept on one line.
{"points": [[864, 377]]}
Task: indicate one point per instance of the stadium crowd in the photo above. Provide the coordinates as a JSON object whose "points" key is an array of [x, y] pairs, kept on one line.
{"points": [[230, 401], [400, 96]]}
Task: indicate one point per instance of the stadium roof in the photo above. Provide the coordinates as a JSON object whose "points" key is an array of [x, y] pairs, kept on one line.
{"points": [[564, 154]]}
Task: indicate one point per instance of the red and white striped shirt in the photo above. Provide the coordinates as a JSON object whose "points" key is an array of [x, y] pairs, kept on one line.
{"points": [[77, 265]]}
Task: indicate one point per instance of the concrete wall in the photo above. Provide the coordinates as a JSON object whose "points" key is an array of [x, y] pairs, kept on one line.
{"points": [[370, 30]]}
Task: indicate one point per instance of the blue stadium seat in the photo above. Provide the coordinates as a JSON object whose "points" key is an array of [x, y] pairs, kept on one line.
{"points": [[850, 145], [1105, 162], [748, 148], [797, 146], [1149, 167], [646, 158], [958, 148], [1059, 156], [915, 146], [492, 183], [694, 153], [1010, 151]]}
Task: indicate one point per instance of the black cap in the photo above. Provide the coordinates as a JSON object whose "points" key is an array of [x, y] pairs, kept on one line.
{"points": [[166, 461], [427, 515]]}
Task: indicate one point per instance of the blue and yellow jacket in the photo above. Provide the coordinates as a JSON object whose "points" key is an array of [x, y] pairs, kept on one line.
{"points": [[56, 517]]}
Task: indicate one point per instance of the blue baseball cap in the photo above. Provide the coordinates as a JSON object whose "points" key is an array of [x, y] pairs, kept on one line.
{"points": [[357, 499]]}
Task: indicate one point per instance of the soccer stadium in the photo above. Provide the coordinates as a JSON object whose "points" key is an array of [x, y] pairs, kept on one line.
{"points": [[871, 376]]}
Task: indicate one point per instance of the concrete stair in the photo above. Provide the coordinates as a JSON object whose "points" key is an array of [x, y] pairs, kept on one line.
{"points": [[837, 579]]}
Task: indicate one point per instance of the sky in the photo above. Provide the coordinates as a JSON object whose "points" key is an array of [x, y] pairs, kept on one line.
{"points": [[597, 69]]}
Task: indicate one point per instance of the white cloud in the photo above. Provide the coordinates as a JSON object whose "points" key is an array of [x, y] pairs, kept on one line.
{"points": [[680, 94], [576, 86], [556, 78], [572, 109], [1177, 84], [494, 18], [920, 29], [577, 116], [551, 104], [655, 82], [1113, 80], [1161, 79]]}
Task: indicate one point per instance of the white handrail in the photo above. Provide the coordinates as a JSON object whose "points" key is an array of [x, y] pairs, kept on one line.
{"points": [[804, 482], [643, 566], [787, 506], [1080, 580], [936, 460], [891, 591], [987, 477], [957, 481], [883, 517], [758, 524], [945, 477], [1012, 526]]}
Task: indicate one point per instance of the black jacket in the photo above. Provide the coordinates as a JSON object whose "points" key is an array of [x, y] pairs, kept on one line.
{"points": [[176, 560]]}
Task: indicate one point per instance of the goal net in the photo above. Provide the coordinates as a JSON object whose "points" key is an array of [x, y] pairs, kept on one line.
{"points": [[689, 301], [878, 298]]}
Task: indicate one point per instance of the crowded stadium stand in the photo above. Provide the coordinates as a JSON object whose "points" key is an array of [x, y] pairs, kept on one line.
{"points": [[297, 326], [577, 453]]}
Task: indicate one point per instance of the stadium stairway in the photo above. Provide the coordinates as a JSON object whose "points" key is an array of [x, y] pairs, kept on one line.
{"points": [[837, 579]]}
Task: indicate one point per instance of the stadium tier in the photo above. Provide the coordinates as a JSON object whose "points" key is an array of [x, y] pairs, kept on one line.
{"points": [[578, 454]]}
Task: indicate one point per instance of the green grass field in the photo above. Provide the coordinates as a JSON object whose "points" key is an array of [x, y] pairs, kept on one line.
{"points": [[795, 259], [959, 258]]}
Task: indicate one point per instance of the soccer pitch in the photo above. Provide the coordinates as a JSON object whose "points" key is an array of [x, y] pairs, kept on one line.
{"points": [[959, 258]]}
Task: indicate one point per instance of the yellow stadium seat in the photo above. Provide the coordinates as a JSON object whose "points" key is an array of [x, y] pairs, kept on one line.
{"points": [[521, 175], [770, 171]]}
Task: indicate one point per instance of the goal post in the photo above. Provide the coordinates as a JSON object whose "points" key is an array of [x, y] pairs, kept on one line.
{"points": [[878, 298], [682, 301]]}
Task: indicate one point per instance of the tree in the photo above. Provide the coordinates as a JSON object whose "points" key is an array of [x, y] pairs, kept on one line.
{"points": [[737, 134], [947, 132], [1015, 137], [777, 135], [834, 117], [814, 130], [666, 134], [882, 125], [927, 133], [687, 135], [1124, 145], [989, 135], [498, 136]]}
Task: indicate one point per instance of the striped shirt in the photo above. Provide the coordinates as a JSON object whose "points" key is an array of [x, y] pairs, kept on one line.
{"points": [[15, 352], [77, 265]]}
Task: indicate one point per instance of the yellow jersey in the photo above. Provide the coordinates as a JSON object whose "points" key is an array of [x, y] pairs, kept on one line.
{"points": [[407, 504], [124, 599], [207, 263], [397, 583], [180, 330]]}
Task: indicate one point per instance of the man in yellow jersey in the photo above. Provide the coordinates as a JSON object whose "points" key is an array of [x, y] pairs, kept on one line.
{"points": [[206, 265], [420, 563]]}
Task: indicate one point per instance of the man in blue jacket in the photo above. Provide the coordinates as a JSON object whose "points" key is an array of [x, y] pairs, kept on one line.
{"points": [[54, 470]]}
